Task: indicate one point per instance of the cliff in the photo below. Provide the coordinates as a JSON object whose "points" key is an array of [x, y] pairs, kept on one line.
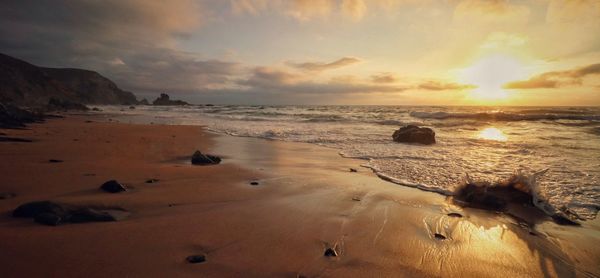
{"points": [[24, 84]]}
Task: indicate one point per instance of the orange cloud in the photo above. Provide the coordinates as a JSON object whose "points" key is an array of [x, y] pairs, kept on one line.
{"points": [[355, 9], [384, 78], [320, 66], [442, 86], [556, 79], [490, 11]]}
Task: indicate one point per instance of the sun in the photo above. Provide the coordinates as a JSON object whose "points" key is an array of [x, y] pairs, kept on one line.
{"points": [[489, 74]]}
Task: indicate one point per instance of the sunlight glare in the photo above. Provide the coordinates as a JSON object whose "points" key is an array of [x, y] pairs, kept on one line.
{"points": [[492, 133], [490, 73]]}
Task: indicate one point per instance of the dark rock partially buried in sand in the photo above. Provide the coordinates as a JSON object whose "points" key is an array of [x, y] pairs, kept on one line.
{"points": [[498, 197], [14, 139], [330, 252], [490, 197], [152, 180], [50, 219], [414, 134], [195, 259], [199, 158], [254, 183], [113, 186], [34, 208], [53, 214], [455, 214], [439, 236], [55, 160]]}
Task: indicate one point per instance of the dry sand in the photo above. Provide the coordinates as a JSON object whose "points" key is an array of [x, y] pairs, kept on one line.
{"points": [[307, 200]]}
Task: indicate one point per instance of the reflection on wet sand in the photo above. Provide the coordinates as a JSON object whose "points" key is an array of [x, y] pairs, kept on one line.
{"points": [[377, 228]]}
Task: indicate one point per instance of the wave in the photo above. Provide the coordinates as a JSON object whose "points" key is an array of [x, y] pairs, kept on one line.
{"points": [[502, 116], [404, 182]]}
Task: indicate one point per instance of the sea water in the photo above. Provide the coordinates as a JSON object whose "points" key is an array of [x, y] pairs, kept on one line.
{"points": [[559, 146]]}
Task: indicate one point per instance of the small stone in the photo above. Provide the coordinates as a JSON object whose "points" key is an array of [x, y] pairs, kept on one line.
{"points": [[356, 199], [199, 158], [55, 161], [439, 236], [195, 259], [455, 214], [113, 186], [152, 181], [330, 252], [254, 183], [353, 170]]}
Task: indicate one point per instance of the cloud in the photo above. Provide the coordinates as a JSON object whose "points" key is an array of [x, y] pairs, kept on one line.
{"points": [[133, 42], [573, 24], [320, 66], [170, 70], [356, 9], [280, 82], [442, 86], [305, 10], [308, 9], [253, 7], [579, 11], [268, 78], [384, 78], [490, 11], [556, 79]]}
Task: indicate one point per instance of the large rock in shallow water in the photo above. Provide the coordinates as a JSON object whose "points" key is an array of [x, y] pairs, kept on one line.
{"points": [[199, 158], [414, 134]]}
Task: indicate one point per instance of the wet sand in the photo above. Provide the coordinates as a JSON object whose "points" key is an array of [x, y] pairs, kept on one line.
{"points": [[306, 200]]}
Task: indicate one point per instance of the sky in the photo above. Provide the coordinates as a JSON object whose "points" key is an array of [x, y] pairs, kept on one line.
{"points": [[371, 52]]}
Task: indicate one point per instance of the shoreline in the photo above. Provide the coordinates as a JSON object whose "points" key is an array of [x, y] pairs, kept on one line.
{"points": [[302, 205]]}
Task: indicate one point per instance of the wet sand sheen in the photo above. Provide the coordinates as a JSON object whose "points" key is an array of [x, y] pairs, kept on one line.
{"points": [[306, 201]]}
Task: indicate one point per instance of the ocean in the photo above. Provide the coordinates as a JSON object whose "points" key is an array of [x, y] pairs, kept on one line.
{"points": [[556, 150]]}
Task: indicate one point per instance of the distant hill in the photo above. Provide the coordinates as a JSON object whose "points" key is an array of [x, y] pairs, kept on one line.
{"points": [[22, 83]]}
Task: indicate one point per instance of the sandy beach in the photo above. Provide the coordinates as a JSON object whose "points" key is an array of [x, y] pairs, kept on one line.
{"points": [[306, 200]]}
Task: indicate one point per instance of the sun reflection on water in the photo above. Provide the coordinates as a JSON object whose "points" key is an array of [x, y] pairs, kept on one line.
{"points": [[492, 133]]}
